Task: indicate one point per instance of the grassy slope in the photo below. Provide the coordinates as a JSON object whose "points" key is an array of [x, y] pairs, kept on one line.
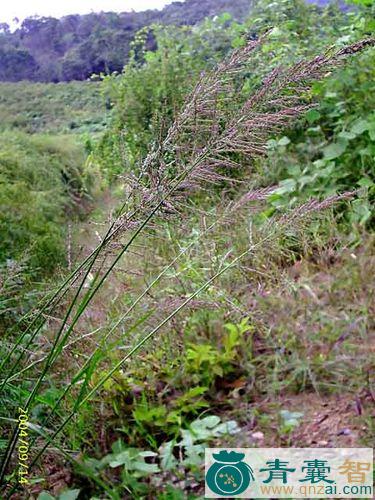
{"points": [[73, 107], [43, 178]]}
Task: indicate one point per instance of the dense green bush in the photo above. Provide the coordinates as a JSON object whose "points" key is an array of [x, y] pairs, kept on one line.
{"points": [[332, 154], [40, 178], [44, 179], [154, 84], [335, 152]]}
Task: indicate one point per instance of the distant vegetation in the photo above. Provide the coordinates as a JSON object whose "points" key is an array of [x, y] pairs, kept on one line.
{"points": [[74, 47], [46, 134], [38, 175], [73, 107]]}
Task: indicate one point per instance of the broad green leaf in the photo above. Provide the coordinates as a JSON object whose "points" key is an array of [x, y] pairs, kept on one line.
{"points": [[188, 438], [284, 141], [286, 186], [275, 33], [207, 422], [312, 115], [120, 459], [360, 126], [69, 495], [305, 179], [271, 144], [291, 418], [347, 135], [334, 150], [365, 182], [194, 455], [167, 460], [231, 427], [361, 212], [141, 466], [294, 170], [118, 446], [45, 496], [146, 454]]}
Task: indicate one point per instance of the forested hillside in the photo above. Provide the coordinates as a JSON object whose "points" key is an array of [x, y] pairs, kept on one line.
{"points": [[187, 251], [74, 47]]}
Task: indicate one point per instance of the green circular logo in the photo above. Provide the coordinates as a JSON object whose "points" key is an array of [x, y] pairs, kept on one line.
{"points": [[229, 476]]}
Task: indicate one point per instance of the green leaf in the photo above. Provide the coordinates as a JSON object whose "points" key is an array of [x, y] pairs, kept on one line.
{"points": [[209, 427], [334, 150], [360, 126], [120, 459], [284, 141], [291, 419], [231, 427], [209, 422], [366, 3], [146, 454], [294, 170], [194, 455], [305, 179], [69, 495], [371, 131], [118, 446], [361, 212], [286, 186], [238, 42], [167, 460], [365, 182], [225, 16], [193, 393], [275, 33], [312, 115], [347, 135], [188, 438], [141, 466], [271, 144], [45, 496], [133, 460]]}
